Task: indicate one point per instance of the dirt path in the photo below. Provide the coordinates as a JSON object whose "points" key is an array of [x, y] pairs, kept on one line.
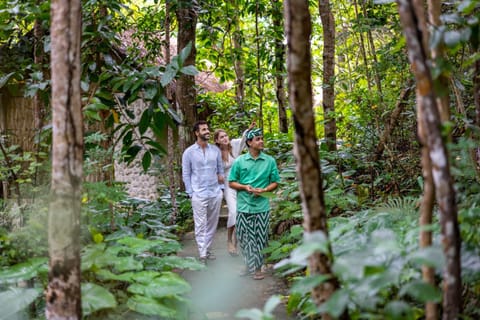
{"points": [[219, 292]]}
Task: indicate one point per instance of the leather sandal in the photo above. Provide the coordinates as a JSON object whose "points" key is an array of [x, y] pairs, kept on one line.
{"points": [[258, 276]]}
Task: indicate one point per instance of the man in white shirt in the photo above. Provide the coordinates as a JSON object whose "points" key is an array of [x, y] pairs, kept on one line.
{"points": [[202, 173]]}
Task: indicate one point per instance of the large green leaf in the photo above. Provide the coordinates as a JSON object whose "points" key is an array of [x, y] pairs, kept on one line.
{"points": [[146, 161], [421, 291], [126, 263], [176, 262], [95, 298], [306, 284], [336, 304], [150, 306], [430, 256], [22, 271], [168, 284], [15, 300], [399, 310], [189, 70]]}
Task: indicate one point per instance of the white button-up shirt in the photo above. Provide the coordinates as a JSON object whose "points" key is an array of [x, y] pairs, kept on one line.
{"points": [[200, 170]]}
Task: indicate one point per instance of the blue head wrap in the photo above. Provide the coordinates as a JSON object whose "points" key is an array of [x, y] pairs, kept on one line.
{"points": [[255, 132]]}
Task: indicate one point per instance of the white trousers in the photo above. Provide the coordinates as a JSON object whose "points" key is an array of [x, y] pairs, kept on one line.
{"points": [[231, 200], [206, 212]]}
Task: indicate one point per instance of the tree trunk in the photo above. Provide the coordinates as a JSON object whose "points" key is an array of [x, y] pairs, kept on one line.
{"points": [[437, 53], [397, 111], [171, 150], [238, 59], [373, 54], [63, 297], [277, 21], [476, 95], [259, 73], [38, 105], [363, 51], [445, 193], [186, 93], [328, 74], [426, 209], [298, 30]]}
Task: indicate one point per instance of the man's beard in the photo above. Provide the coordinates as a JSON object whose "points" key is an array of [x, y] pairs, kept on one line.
{"points": [[205, 137]]}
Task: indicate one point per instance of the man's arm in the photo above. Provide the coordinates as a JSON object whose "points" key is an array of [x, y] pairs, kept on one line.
{"points": [[187, 173]]}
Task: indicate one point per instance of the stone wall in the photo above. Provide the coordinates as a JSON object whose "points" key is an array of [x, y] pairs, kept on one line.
{"points": [[138, 184]]}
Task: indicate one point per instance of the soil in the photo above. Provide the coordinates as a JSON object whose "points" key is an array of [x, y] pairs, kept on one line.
{"points": [[219, 291]]}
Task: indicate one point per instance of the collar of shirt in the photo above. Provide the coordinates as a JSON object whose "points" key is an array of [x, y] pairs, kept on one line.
{"points": [[261, 156]]}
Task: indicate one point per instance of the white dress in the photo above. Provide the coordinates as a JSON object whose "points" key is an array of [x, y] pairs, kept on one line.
{"points": [[231, 194]]}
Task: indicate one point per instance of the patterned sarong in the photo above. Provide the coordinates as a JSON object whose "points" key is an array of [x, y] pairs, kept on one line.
{"points": [[252, 234]]}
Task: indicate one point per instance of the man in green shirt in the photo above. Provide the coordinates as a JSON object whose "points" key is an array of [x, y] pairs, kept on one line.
{"points": [[251, 175]]}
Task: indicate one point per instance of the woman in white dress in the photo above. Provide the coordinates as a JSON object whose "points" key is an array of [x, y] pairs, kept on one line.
{"points": [[231, 149]]}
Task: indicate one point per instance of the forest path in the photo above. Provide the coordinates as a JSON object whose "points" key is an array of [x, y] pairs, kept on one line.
{"points": [[218, 292]]}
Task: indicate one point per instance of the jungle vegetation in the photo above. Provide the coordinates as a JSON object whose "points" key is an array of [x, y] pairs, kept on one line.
{"points": [[371, 109]]}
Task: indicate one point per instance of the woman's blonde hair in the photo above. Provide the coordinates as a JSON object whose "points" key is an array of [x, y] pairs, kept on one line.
{"points": [[215, 137]]}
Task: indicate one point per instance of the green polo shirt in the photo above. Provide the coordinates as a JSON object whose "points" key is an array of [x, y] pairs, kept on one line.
{"points": [[258, 173]]}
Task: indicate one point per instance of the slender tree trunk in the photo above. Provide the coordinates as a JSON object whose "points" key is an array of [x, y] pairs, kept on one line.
{"points": [[277, 21], [426, 209], [328, 96], [397, 111], [186, 93], [443, 100], [363, 51], [445, 193], [38, 105], [373, 54], [259, 73], [428, 199], [476, 95], [63, 297], [171, 152], [298, 30], [237, 40]]}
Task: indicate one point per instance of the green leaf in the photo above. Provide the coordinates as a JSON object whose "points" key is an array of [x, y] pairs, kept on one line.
{"points": [[146, 161], [126, 263], [145, 121], [95, 297], [429, 256], [185, 52], [271, 304], [22, 271], [176, 262], [336, 304], [421, 291], [167, 284], [4, 79], [306, 284], [150, 306], [168, 76], [15, 300], [189, 70], [132, 152], [104, 274], [399, 310]]}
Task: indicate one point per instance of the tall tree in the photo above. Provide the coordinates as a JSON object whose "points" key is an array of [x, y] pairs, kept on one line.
{"points": [[63, 298], [298, 31], [444, 191], [238, 58], [259, 73], [186, 93], [277, 20], [328, 95]]}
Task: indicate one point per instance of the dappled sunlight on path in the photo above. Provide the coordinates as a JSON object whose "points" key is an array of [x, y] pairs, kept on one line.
{"points": [[218, 292]]}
